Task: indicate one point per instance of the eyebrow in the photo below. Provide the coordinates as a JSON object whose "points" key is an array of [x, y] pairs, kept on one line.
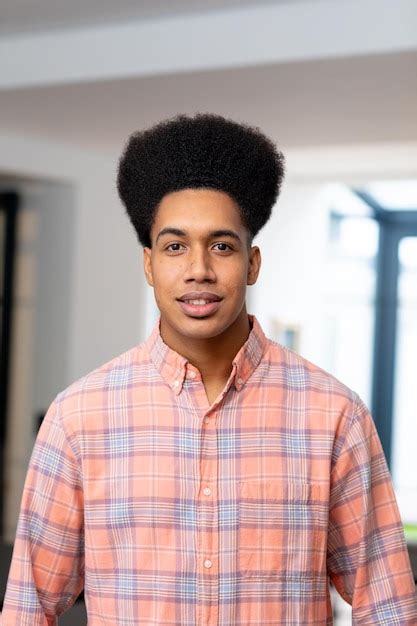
{"points": [[169, 230]]}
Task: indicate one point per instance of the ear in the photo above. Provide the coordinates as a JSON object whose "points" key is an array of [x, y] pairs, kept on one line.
{"points": [[147, 265], [254, 265]]}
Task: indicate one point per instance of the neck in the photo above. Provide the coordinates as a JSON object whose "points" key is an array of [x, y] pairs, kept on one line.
{"points": [[212, 356]]}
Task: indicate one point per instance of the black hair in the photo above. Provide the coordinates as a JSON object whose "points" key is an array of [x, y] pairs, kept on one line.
{"points": [[204, 151]]}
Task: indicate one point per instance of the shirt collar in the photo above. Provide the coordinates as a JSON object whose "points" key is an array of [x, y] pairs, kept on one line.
{"points": [[174, 368]]}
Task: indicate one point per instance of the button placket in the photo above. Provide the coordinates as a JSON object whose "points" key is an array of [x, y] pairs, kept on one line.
{"points": [[207, 611]]}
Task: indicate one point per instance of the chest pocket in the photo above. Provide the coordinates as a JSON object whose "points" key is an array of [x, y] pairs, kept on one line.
{"points": [[279, 529]]}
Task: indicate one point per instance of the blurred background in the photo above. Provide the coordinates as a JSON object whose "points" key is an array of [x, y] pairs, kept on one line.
{"points": [[333, 82]]}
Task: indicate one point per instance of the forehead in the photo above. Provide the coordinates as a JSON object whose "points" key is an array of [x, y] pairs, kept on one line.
{"points": [[198, 210]]}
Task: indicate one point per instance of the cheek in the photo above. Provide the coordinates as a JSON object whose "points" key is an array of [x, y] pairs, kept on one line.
{"points": [[237, 279], [237, 290], [166, 276]]}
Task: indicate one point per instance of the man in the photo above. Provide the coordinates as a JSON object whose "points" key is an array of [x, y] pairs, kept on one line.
{"points": [[208, 476]]}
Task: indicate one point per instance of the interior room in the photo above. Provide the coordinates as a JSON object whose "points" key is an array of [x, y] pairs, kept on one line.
{"points": [[333, 83]]}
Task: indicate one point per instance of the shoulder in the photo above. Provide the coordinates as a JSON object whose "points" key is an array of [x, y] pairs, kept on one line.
{"points": [[298, 370], [92, 389], [321, 397]]}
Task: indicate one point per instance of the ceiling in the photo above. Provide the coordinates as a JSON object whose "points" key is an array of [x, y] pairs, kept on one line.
{"points": [[349, 100], [22, 16]]}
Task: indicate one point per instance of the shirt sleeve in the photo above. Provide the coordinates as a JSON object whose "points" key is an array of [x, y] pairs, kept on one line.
{"points": [[47, 569], [367, 557]]}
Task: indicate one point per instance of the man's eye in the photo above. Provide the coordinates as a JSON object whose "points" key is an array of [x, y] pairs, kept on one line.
{"points": [[222, 247], [174, 247]]}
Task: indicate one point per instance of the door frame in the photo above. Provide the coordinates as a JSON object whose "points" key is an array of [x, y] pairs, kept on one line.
{"points": [[393, 226]]}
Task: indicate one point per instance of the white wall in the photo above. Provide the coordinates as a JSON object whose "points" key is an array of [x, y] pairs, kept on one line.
{"points": [[292, 246], [79, 298], [105, 314], [292, 284]]}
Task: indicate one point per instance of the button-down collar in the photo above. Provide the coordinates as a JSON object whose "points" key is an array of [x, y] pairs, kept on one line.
{"points": [[174, 368]]}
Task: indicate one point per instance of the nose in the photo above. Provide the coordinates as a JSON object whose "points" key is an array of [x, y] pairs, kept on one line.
{"points": [[199, 267]]}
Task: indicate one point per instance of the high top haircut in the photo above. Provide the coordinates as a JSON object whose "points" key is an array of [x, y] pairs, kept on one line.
{"points": [[205, 151]]}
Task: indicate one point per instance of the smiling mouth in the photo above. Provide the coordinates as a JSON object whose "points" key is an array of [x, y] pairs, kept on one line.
{"points": [[199, 301], [199, 307]]}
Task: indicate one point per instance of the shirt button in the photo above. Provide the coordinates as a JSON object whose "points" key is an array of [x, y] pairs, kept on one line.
{"points": [[192, 374], [240, 381], [176, 383], [208, 563], [206, 420], [207, 491]]}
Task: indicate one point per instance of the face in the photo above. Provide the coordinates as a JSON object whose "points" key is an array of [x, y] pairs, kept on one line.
{"points": [[199, 265]]}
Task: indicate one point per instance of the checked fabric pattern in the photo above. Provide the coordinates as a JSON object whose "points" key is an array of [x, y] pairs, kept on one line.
{"points": [[167, 510]]}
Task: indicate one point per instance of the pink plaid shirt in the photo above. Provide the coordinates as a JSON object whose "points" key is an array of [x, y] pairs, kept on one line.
{"points": [[170, 511]]}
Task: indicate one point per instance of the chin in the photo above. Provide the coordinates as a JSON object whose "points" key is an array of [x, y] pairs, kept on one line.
{"points": [[203, 328]]}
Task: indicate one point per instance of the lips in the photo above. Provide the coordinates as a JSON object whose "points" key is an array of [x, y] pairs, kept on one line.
{"points": [[200, 297], [199, 304]]}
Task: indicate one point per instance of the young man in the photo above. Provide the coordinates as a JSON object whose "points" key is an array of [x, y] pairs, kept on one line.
{"points": [[208, 476]]}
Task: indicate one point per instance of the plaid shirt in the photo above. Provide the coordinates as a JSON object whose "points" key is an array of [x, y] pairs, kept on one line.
{"points": [[170, 511]]}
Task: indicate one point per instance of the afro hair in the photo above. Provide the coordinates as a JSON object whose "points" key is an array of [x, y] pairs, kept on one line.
{"points": [[204, 151]]}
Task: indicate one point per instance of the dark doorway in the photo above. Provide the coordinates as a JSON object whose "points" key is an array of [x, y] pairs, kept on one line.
{"points": [[9, 203]]}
